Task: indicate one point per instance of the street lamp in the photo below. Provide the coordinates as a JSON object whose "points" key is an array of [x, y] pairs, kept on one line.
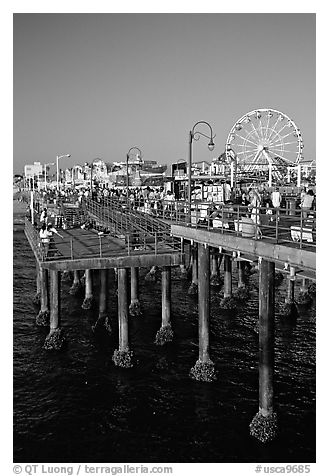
{"points": [[195, 135], [57, 170], [138, 154], [46, 165]]}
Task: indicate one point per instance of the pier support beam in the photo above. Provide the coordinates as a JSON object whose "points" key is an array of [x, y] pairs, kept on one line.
{"points": [[76, 285], [264, 424], [193, 289], [89, 298], [122, 357], [42, 318], [165, 333], [55, 339], [204, 369], [134, 307]]}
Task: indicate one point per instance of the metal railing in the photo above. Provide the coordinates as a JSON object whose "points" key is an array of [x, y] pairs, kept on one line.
{"points": [[278, 225], [139, 234]]}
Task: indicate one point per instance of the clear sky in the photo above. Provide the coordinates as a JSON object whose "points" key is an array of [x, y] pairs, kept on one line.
{"points": [[94, 85]]}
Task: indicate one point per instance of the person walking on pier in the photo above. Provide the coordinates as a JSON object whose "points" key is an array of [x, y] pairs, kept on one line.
{"points": [[307, 203], [43, 217], [276, 201], [254, 205]]}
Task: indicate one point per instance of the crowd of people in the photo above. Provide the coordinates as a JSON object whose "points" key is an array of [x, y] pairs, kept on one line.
{"points": [[258, 199]]}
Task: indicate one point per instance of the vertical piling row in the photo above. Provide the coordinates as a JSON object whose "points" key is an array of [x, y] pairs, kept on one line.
{"points": [[264, 424], [204, 368]]}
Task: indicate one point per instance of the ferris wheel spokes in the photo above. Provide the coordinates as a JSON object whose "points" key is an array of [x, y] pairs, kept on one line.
{"points": [[273, 129], [283, 137], [264, 141], [243, 138]]}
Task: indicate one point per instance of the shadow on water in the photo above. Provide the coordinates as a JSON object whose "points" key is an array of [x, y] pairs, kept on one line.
{"points": [[76, 406]]}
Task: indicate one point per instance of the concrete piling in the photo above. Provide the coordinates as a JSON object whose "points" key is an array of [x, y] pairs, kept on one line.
{"points": [[122, 356], [42, 318], [66, 276], [55, 339], [165, 333], [204, 369], [89, 298], [76, 285], [291, 285], [241, 274], [227, 276], [193, 289], [134, 307], [304, 298], [228, 302], [289, 309], [242, 293], [264, 424], [103, 319], [36, 298], [214, 269], [151, 275]]}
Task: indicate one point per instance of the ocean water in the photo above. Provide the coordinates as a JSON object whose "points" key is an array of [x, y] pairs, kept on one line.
{"points": [[76, 406]]}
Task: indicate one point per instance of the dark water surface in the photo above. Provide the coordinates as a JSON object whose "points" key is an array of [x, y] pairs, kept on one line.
{"points": [[76, 406]]}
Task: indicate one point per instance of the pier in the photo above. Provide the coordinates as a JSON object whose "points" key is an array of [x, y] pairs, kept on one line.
{"points": [[125, 239]]}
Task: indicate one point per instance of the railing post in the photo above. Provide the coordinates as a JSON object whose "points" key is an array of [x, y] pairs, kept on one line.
{"points": [[276, 228], [156, 242], [128, 243], [301, 230], [71, 247], [100, 246], [238, 221]]}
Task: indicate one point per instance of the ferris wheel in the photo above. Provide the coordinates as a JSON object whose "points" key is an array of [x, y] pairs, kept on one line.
{"points": [[264, 139]]}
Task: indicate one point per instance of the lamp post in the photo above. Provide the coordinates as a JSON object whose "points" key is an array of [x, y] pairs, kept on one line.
{"points": [[138, 154], [195, 135], [46, 165], [57, 170]]}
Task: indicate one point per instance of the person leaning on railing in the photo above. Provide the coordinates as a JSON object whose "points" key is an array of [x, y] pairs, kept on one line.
{"points": [[46, 237]]}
